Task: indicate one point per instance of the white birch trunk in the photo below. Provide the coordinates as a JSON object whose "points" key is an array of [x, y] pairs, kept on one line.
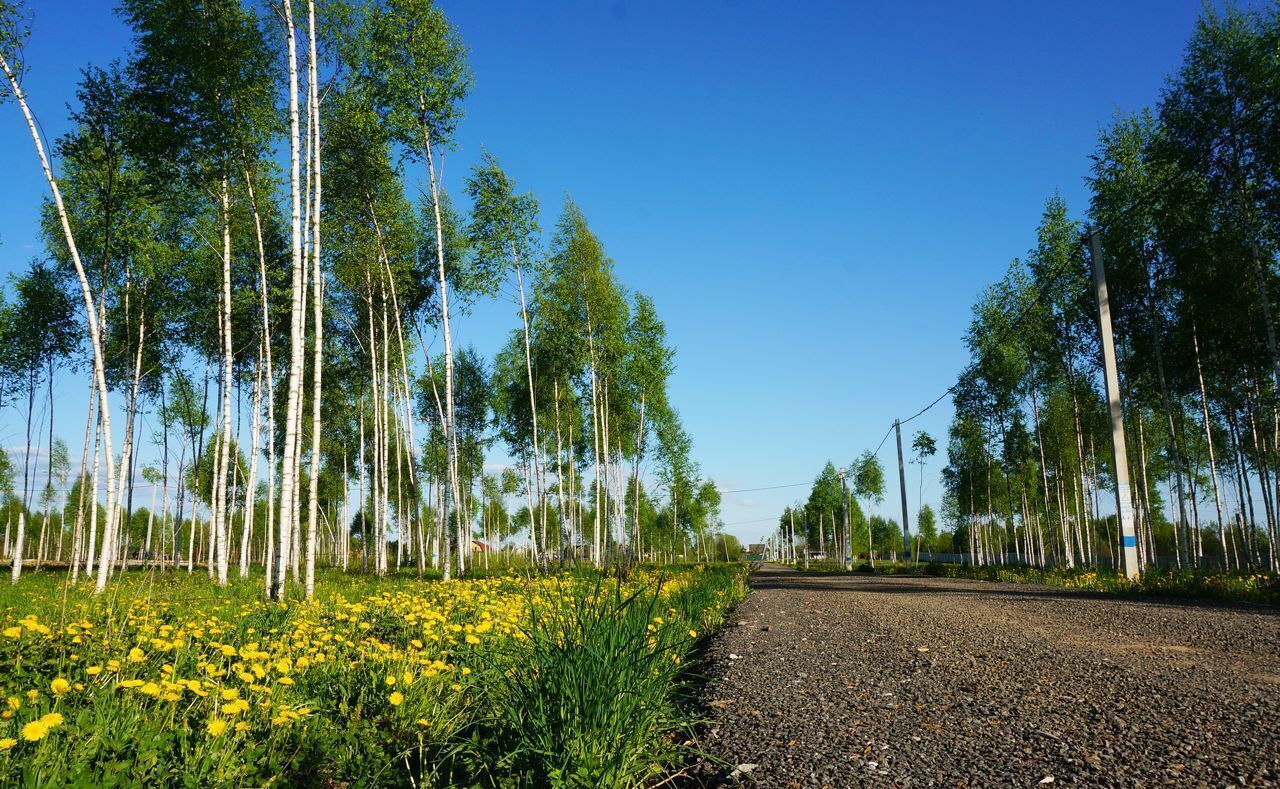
{"points": [[91, 313], [313, 106], [288, 480]]}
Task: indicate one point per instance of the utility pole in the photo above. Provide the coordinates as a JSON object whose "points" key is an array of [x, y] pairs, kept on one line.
{"points": [[844, 522], [1124, 507], [806, 538], [902, 486], [792, 513]]}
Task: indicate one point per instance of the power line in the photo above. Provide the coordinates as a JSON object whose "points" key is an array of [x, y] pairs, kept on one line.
{"points": [[744, 523], [882, 440], [770, 487]]}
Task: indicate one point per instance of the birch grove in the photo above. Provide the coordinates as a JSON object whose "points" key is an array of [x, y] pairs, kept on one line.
{"points": [[293, 407]]}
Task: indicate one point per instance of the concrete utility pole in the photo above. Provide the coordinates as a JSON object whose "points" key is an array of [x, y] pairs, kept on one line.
{"points": [[1124, 507], [844, 523], [806, 538], [902, 486]]}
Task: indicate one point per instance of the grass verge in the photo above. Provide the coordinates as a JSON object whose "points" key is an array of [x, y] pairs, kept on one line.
{"points": [[568, 680], [1252, 587]]}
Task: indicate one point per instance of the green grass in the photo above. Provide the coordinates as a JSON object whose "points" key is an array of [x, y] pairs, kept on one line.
{"points": [[596, 699], [575, 680]]}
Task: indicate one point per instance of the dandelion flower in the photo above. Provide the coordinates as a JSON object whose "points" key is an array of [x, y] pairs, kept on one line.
{"points": [[52, 719], [216, 726], [13, 632], [7, 743], [93, 671], [397, 699], [34, 731]]}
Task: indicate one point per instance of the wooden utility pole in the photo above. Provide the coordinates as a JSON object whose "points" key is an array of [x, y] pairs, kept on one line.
{"points": [[902, 487], [1124, 507]]}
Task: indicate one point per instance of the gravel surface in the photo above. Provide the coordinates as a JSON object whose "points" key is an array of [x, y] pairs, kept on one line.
{"points": [[902, 681]]}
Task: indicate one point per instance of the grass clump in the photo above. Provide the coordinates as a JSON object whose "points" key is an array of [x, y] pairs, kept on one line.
{"points": [[592, 697]]}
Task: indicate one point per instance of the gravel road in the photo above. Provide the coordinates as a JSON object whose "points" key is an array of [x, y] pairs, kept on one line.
{"points": [[895, 681]]}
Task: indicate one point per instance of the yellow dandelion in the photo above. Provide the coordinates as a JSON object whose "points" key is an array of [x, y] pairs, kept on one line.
{"points": [[216, 726], [13, 632], [34, 731], [93, 671], [52, 719], [7, 743], [397, 699]]}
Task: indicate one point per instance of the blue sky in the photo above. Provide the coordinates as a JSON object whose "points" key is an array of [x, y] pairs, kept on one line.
{"points": [[813, 193]]}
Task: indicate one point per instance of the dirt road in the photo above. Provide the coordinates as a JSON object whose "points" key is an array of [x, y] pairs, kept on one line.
{"points": [[894, 681]]}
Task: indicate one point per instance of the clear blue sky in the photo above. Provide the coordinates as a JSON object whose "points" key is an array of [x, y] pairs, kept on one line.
{"points": [[813, 193]]}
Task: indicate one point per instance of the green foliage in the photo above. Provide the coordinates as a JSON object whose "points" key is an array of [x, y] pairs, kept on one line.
{"points": [[503, 230], [41, 330], [594, 699], [412, 63], [14, 30], [585, 687]]}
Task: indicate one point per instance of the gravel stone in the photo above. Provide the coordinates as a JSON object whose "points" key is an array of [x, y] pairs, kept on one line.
{"points": [[854, 680]]}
